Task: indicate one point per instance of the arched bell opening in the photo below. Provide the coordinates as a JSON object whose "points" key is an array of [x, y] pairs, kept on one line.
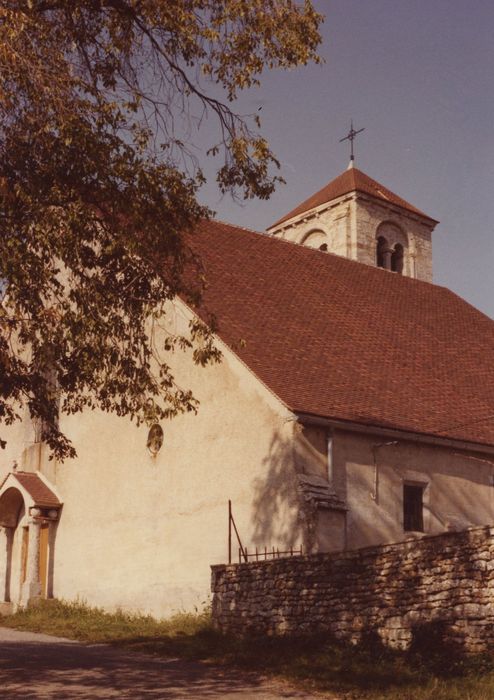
{"points": [[391, 247]]}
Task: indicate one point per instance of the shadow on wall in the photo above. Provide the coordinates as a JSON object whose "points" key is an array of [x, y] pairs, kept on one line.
{"points": [[457, 492], [279, 516], [463, 500], [455, 497], [369, 523]]}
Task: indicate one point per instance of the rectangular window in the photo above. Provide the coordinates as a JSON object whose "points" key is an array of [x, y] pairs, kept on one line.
{"points": [[413, 510]]}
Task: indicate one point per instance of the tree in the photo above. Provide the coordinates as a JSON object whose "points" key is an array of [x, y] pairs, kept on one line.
{"points": [[98, 185]]}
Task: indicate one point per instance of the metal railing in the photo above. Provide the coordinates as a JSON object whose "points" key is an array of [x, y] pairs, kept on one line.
{"points": [[257, 554], [231, 522], [263, 554]]}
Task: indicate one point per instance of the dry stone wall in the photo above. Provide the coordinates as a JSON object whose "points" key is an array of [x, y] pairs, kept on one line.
{"points": [[442, 584]]}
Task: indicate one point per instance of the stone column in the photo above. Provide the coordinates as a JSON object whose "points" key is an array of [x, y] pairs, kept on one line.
{"points": [[51, 548], [32, 586], [387, 253], [4, 558], [8, 539], [5, 603]]}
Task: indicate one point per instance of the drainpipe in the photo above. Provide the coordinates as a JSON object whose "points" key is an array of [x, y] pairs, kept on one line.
{"points": [[375, 493], [330, 458]]}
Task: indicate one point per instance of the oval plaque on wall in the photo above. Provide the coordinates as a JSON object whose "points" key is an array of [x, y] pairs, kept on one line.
{"points": [[155, 439]]}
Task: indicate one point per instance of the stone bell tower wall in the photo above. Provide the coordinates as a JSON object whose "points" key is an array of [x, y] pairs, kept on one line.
{"points": [[350, 225], [330, 224], [373, 218]]}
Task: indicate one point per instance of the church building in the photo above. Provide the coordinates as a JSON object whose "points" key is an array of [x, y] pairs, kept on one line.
{"points": [[354, 405]]}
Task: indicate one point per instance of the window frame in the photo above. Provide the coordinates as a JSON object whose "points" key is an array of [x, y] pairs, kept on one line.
{"points": [[420, 519]]}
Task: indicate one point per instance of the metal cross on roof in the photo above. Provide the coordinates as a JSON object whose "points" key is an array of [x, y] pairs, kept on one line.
{"points": [[351, 137]]}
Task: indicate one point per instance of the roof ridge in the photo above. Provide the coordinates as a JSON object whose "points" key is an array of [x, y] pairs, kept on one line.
{"points": [[352, 180], [229, 223], [274, 237]]}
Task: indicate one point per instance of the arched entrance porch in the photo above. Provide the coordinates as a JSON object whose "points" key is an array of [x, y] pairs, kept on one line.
{"points": [[29, 513]]}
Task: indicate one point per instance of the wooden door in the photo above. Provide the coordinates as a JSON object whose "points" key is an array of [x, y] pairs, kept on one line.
{"points": [[43, 557]]}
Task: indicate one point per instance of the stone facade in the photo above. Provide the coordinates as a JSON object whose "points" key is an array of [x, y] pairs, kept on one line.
{"points": [[332, 224], [443, 584], [374, 218], [139, 530], [350, 226]]}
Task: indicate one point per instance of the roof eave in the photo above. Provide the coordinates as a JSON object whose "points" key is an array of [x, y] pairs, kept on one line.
{"points": [[290, 220], [406, 435], [313, 211], [409, 210]]}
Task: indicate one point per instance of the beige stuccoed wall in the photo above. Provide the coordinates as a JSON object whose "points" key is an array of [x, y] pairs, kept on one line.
{"points": [[459, 490], [140, 532], [18, 437], [458, 493]]}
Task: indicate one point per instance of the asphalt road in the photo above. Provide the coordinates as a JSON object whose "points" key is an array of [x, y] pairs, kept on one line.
{"points": [[36, 666]]}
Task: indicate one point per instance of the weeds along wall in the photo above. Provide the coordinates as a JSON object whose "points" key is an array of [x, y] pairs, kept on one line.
{"points": [[441, 585]]}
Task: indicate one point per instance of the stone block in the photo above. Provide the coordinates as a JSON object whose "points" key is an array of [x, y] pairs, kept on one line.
{"points": [[392, 588]]}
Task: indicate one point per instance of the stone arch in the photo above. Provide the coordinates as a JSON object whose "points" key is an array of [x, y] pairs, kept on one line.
{"points": [[392, 233], [316, 238]]}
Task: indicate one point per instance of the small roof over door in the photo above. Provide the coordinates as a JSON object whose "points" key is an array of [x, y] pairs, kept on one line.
{"points": [[37, 488], [26, 489]]}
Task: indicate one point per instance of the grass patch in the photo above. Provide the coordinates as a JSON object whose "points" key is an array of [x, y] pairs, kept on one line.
{"points": [[426, 672], [77, 620]]}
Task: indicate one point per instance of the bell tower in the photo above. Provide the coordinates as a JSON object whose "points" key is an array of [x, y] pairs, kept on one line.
{"points": [[358, 218]]}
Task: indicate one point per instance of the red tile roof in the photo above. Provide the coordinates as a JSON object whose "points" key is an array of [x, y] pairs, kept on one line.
{"points": [[339, 339], [37, 489], [352, 180]]}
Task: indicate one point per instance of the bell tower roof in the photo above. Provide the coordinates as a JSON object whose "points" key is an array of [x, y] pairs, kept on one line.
{"points": [[351, 180]]}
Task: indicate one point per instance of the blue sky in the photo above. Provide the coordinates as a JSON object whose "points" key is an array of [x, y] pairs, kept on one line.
{"points": [[418, 75]]}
